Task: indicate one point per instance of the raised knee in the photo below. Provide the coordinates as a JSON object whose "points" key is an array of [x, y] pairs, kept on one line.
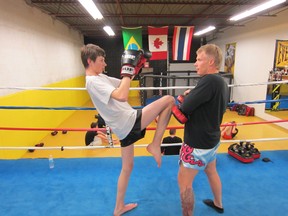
{"points": [[170, 99]]}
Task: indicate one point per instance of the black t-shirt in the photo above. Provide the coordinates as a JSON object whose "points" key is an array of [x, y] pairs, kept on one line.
{"points": [[205, 106], [171, 150], [89, 137]]}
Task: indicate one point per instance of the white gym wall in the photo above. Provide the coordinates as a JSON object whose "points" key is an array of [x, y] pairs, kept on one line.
{"points": [[254, 58], [35, 48]]}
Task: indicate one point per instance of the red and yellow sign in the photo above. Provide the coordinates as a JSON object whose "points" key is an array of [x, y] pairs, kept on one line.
{"points": [[281, 54]]}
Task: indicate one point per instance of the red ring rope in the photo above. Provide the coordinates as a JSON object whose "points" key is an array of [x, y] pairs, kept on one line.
{"points": [[149, 128]]}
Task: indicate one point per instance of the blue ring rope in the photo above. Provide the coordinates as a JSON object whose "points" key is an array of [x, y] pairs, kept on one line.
{"points": [[259, 102]]}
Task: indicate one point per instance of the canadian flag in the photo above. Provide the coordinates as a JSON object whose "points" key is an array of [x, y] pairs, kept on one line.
{"points": [[157, 38]]}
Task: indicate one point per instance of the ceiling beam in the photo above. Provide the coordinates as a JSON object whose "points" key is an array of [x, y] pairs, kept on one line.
{"points": [[221, 16], [145, 25], [167, 2]]}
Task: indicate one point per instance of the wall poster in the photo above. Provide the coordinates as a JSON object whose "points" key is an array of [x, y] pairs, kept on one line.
{"points": [[281, 54], [230, 50]]}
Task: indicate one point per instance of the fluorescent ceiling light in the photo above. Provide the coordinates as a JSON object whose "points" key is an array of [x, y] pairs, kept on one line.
{"points": [[91, 8], [109, 30], [208, 29], [256, 9]]}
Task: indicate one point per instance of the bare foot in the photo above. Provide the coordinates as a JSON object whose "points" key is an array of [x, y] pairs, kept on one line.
{"points": [[156, 152], [126, 208]]}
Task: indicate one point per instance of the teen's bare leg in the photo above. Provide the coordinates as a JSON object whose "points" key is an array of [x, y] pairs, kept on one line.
{"points": [[162, 108], [185, 181], [127, 167], [215, 183]]}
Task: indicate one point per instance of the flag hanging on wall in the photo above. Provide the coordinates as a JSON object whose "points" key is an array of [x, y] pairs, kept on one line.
{"points": [[132, 38], [158, 42], [182, 39]]}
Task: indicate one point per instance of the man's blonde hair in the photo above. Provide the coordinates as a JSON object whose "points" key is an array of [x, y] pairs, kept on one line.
{"points": [[212, 51]]}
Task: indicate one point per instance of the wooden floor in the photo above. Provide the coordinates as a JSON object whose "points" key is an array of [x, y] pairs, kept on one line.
{"points": [[82, 119], [282, 114]]}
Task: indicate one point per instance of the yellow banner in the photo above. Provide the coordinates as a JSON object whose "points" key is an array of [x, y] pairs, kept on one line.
{"points": [[281, 55]]}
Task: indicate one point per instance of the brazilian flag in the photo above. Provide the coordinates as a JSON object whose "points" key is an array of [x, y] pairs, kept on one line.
{"points": [[132, 38]]}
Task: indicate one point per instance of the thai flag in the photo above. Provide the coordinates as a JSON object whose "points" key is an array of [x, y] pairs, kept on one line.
{"points": [[182, 39]]}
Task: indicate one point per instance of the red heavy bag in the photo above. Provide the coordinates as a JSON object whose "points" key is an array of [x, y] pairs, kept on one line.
{"points": [[250, 111]]}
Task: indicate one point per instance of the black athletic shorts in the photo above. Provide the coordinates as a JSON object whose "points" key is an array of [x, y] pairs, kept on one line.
{"points": [[136, 133]]}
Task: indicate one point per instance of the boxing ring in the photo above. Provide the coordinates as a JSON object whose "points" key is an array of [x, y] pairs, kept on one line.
{"points": [[84, 184], [141, 89]]}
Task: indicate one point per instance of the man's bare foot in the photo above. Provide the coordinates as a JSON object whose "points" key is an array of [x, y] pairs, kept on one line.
{"points": [[155, 150], [126, 208]]}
